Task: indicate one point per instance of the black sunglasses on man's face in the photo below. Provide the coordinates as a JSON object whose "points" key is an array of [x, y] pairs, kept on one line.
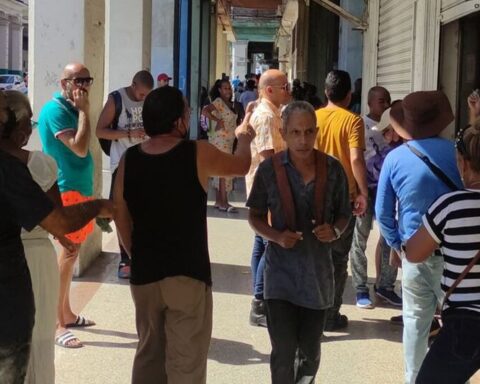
{"points": [[81, 81]]}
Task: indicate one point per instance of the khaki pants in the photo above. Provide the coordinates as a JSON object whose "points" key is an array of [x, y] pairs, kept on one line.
{"points": [[174, 326]]}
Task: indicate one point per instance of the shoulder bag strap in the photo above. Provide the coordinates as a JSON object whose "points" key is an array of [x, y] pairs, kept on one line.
{"points": [[286, 198], [117, 100], [321, 174], [461, 277], [437, 171]]}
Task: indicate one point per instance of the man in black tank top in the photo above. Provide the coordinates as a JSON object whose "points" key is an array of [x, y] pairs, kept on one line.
{"points": [[161, 196]]}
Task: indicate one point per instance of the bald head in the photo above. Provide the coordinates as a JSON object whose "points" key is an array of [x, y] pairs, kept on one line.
{"points": [[273, 86], [272, 77], [75, 76], [73, 70], [378, 102], [378, 91]]}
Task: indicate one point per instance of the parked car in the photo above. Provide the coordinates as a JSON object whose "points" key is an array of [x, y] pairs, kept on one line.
{"points": [[12, 82]]}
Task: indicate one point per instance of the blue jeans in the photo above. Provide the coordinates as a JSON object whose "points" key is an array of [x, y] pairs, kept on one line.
{"points": [[455, 354], [258, 265], [421, 296], [358, 258]]}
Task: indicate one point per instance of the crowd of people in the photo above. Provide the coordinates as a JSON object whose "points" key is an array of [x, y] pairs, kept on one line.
{"points": [[317, 175]]}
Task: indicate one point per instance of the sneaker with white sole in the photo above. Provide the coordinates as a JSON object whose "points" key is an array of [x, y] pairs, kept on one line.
{"points": [[389, 296], [363, 300]]}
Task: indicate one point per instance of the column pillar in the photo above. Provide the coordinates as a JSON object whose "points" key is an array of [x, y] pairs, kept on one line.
{"points": [[163, 31], [15, 44], [61, 32], [56, 37], [123, 42], [4, 41], [283, 55], [239, 59]]}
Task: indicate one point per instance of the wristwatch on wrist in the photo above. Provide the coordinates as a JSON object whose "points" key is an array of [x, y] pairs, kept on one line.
{"points": [[337, 231]]}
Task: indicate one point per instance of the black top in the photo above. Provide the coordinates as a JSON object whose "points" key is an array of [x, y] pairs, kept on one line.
{"points": [[168, 206], [22, 204]]}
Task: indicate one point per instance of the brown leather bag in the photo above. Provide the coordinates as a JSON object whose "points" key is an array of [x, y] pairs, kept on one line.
{"points": [[286, 197]]}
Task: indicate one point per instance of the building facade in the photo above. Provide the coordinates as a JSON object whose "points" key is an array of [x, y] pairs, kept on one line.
{"points": [[13, 19], [424, 45]]}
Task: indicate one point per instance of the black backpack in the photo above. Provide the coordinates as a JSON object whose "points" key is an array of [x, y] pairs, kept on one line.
{"points": [[105, 144]]}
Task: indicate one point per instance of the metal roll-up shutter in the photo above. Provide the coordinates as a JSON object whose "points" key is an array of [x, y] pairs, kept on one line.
{"points": [[395, 46]]}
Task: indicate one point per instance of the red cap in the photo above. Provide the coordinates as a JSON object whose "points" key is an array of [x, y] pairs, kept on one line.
{"points": [[163, 76]]}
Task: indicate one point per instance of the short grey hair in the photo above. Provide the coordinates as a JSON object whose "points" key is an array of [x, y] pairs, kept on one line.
{"points": [[295, 106]]}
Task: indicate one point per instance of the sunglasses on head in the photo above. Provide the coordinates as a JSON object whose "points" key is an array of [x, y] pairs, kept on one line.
{"points": [[81, 81], [460, 144]]}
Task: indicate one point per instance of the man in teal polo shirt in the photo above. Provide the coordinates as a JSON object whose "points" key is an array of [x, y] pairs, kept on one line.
{"points": [[64, 127]]}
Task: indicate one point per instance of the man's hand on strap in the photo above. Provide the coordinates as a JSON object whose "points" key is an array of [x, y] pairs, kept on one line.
{"points": [[287, 239], [325, 233]]}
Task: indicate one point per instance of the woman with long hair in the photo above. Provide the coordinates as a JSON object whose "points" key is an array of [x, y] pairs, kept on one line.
{"points": [[221, 112]]}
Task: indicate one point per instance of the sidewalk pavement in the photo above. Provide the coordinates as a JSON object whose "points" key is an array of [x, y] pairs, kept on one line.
{"points": [[367, 352]]}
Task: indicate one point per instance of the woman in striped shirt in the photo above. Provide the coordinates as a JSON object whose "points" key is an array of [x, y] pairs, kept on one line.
{"points": [[453, 224]]}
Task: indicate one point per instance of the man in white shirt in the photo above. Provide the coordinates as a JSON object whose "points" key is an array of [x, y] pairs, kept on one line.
{"points": [[267, 122], [128, 132], [378, 102]]}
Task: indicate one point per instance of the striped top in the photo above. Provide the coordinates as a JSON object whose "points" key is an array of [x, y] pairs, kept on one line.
{"points": [[453, 221]]}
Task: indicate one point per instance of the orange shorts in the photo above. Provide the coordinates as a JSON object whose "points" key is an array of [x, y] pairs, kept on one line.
{"points": [[71, 198]]}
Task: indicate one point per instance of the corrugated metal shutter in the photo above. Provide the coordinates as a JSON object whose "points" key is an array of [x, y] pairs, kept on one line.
{"points": [[395, 46]]}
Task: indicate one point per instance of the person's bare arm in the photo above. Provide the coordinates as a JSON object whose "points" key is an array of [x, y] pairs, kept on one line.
{"points": [[54, 194], [259, 222], [420, 246], [207, 111], [473, 107], [359, 170], [64, 220], [123, 220], [103, 130], [78, 141]]}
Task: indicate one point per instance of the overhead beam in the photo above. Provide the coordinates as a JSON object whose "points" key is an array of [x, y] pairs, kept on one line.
{"points": [[224, 16], [339, 11]]}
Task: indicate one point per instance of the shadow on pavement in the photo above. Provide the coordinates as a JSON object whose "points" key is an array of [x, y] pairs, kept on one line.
{"points": [[235, 353], [110, 344], [108, 332], [366, 329], [103, 270], [228, 278]]}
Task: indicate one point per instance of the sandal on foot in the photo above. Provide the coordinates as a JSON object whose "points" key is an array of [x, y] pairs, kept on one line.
{"points": [[64, 340], [229, 209], [80, 322]]}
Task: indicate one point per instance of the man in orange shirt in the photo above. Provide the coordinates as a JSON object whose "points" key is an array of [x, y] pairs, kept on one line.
{"points": [[341, 134]]}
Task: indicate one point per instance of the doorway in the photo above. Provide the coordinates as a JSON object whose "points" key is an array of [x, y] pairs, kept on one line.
{"points": [[459, 72]]}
